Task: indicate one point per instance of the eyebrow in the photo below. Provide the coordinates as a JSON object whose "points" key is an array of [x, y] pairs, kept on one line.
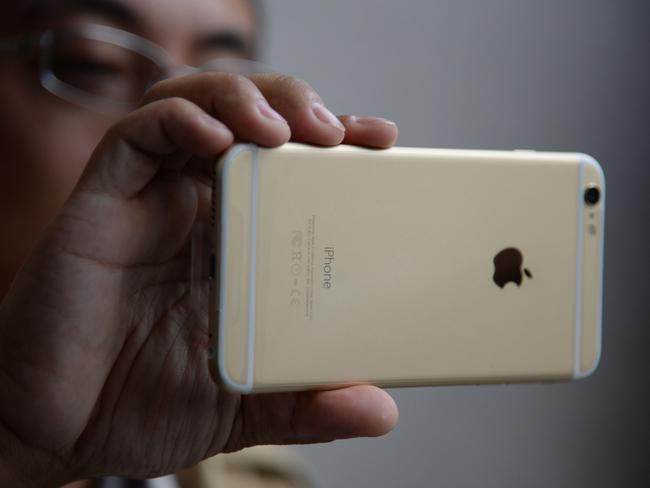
{"points": [[39, 10], [54, 10], [229, 39]]}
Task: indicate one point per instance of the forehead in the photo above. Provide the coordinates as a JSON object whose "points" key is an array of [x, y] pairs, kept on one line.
{"points": [[157, 19]]}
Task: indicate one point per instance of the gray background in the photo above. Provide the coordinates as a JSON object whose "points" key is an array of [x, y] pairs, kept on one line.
{"points": [[563, 75]]}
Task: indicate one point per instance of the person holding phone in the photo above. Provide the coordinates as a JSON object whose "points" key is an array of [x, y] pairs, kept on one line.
{"points": [[109, 133]]}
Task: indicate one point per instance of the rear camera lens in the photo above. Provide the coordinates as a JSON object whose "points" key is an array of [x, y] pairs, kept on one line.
{"points": [[592, 196]]}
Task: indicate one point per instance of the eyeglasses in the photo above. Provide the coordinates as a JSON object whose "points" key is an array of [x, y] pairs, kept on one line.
{"points": [[109, 70]]}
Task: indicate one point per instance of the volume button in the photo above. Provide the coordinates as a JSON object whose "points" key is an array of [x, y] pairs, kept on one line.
{"points": [[213, 266]]}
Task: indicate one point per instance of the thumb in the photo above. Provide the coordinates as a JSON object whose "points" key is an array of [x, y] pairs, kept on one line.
{"points": [[313, 416]]}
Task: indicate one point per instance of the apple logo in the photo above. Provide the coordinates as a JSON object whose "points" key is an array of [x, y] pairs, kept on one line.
{"points": [[507, 267]]}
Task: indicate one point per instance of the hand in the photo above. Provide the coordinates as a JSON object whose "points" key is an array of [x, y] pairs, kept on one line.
{"points": [[103, 369]]}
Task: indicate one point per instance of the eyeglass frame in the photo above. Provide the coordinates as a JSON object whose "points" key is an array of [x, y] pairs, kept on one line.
{"points": [[159, 56]]}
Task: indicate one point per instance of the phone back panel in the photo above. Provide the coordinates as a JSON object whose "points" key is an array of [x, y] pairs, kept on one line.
{"points": [[406, 267]]}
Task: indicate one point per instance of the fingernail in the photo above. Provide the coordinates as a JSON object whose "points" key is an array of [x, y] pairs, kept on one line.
{"points": [[372, 121], [326, 116], [266, 110]]}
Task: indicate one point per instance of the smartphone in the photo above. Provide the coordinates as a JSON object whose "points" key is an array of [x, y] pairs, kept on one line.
{"points": [[404, 267]]}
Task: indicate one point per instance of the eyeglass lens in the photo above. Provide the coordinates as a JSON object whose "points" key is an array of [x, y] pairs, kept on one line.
{"points": [[101, 68], [111, 72]]}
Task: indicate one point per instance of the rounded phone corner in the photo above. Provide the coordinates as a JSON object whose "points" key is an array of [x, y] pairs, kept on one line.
{"points": [[218, 368], [587, 160], [225, 163], [221, 375], [580, 375]]}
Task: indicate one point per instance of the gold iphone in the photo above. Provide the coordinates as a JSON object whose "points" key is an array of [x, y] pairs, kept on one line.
{"points": [[404, 267]]}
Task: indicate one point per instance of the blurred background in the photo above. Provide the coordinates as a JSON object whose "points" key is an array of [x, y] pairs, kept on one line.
{"points": [[503, 74]]}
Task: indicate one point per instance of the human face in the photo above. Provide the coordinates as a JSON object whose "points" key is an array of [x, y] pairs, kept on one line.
{"points": [[45, 141]]}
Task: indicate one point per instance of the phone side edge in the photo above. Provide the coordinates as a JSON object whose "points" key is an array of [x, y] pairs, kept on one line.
{"points": [[591, 172], [220, 237]]}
